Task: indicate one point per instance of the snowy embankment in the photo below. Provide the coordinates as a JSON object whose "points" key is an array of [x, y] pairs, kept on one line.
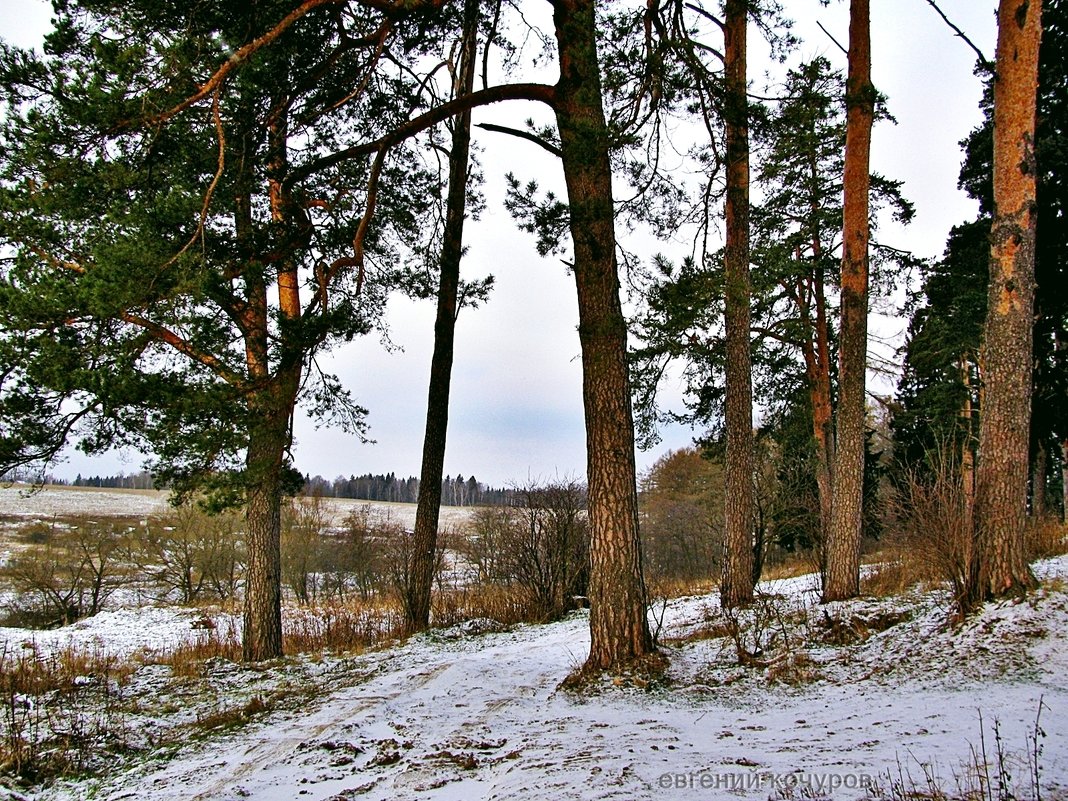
{"points": [[880, 690]]}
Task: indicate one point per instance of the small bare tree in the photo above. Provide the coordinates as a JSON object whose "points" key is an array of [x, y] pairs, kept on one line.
{"points": [[193, 553], [69, 574], [304, 528]]}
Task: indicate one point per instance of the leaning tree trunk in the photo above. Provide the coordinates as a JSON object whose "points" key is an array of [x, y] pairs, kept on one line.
{"points": [[843, 540], [999, 567], [424, 539], [618, 626], [736, 588]]}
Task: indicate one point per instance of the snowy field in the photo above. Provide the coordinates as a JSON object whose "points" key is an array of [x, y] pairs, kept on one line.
{"points": [[22, 503], [462, 715]]}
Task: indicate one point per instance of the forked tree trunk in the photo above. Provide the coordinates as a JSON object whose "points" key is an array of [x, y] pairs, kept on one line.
{"points": [[424, 539], [843, 541], [619, 629], [999, 567], [736, 588]]}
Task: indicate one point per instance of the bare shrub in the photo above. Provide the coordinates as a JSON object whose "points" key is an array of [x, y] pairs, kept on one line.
{"points": [[62, 713], [304, 547], [995, 771], [348, 627], [193, 554], [1046, 538], [505, 604], [680, 504], [928, 534], [767, 631], [68, 573], [482, 544], [370, 555]]}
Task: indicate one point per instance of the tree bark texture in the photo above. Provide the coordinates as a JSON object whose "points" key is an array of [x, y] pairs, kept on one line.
{"points": [[1038, 483], [842, 579], [736, 587], [618, 626], [999, 566], [425, 536], [967, 451], [262, 637], [1064, 481]]}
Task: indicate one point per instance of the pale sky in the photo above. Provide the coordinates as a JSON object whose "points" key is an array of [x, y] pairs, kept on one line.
{"points": [[516, 408]]}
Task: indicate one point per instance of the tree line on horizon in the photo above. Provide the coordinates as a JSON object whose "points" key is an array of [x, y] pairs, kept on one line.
{"points": [[387, 487]]}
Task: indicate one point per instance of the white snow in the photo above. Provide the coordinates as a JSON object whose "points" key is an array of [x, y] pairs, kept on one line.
{"points": [[464, 715], [44, 503]]}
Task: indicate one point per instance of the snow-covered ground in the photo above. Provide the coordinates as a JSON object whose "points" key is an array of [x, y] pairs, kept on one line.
{"points": [[24, 503], [870, 691]]}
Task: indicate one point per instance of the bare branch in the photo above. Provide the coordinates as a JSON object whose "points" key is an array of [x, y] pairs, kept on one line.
{"points": [[241, 55], [831, 37], [183, 346], [984, 63], [518, 91], [530, 137]]}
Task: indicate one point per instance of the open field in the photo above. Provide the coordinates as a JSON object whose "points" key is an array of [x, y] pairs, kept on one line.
{"points": [[24, 503]]}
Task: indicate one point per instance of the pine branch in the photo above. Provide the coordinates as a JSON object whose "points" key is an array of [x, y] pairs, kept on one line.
{"points": [[488, 126], [183, 346]]}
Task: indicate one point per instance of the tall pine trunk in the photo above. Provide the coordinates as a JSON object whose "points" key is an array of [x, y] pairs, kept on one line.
{"points": [[618, 626], [424, 539], [270, 408], [999, 566], [262, 637], [1064, 481], [842, 579], [736, 588]]}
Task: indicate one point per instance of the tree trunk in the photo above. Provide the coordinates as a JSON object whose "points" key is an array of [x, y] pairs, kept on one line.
{"points": [[1038, 484], [999, 567], [967, 451], [263, 576], [618, 626], [843, 541], [270, 408], [424, 539], [1064, 481], [816, 349], [736, 588]]}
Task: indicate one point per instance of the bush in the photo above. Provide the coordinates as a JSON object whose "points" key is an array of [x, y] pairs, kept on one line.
{"points": [[537, 550], [193, 554], [68, 573], [62, 712], [928, 534]]}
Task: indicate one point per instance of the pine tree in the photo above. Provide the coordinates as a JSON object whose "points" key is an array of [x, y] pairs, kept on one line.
{"points": [[998, 561], [184, 247]]}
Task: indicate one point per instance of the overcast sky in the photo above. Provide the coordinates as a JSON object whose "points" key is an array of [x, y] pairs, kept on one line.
{"points": [[516, 408]]}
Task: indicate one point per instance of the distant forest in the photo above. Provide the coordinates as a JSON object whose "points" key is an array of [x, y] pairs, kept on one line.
{"points": [[458, 491]]}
